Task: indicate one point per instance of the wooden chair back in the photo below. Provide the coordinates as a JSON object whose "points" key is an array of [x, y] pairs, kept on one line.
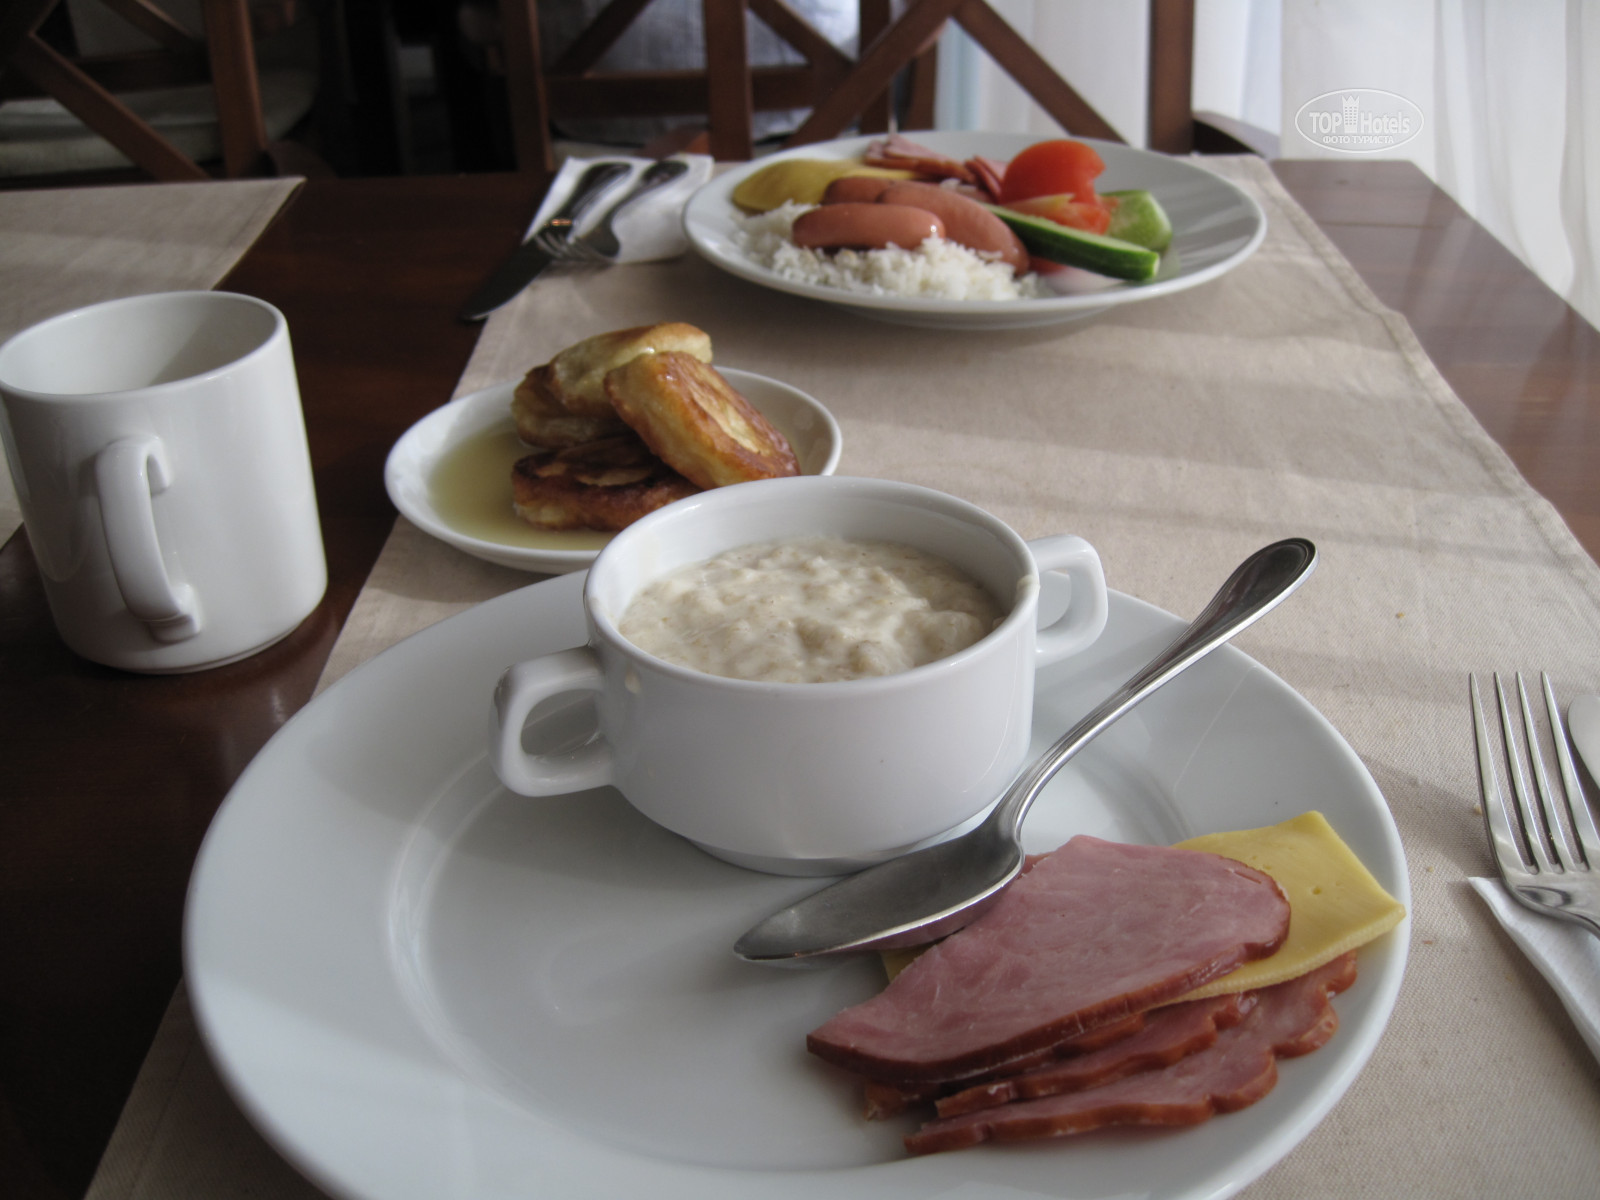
{"points": [[840, 93], [726, 95], [87, 86], [1172, 126]]}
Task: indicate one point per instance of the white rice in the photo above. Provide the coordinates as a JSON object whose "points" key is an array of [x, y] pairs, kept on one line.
{"points": [[938, 269]]}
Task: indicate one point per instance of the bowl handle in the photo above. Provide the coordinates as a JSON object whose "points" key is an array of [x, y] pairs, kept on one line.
{"points": [[1085, 617], [520, 690]]}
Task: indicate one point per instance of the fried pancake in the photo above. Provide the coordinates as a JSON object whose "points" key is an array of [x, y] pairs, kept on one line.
{"points": [[604, 485], [576, 378], [542, 422], [564, 402], [693, 419]]}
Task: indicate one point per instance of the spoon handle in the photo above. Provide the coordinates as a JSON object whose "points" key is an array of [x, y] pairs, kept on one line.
{"points": [[1258, 586]]}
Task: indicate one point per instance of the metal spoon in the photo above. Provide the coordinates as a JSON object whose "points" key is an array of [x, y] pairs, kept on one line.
{"points": [[933, 892]]}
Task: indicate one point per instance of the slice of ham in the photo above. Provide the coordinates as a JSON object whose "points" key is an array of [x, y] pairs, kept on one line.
{"points": [[903, 154], [1169, 1034], [1289, 1019], [884, 1100], [889, 1099], [1096, 931], [988, 172]]}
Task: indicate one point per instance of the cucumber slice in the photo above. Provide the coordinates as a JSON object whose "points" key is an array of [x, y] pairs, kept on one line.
{"points": [[1092, 251], [1139, 218]]}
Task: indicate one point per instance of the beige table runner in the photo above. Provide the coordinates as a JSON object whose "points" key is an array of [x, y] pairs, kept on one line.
{"points": [[1177, 435], [60, 250]]}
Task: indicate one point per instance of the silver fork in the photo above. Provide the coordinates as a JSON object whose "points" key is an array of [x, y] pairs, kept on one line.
{"points": [[552, 237], [1539, 865], [599, 246]]}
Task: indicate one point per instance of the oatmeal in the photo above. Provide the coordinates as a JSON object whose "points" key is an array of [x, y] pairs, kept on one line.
{"points": [[811, 610]]}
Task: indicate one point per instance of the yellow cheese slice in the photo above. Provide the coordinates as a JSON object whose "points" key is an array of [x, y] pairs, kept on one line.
{"points": [[801, 181], [897, 960], [1334, 902]]}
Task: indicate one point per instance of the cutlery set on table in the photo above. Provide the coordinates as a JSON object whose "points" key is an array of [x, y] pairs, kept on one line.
{"points": [[556, 240], [1544, 841]]}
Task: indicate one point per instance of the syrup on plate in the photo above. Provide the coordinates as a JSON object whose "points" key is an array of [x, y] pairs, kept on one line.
{"points": [[470, 489]]}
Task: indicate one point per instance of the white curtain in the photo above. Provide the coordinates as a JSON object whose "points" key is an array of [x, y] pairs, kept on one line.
{"points": [[1506, 93]]}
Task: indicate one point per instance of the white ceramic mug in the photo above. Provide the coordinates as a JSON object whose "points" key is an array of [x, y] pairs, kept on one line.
{"points": [[159, 454], [808, 778]]}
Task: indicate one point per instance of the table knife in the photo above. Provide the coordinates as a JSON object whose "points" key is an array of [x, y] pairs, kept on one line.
{"points": [[528, 259], [1583, 723]]}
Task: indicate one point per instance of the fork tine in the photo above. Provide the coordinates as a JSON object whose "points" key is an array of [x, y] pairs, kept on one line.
{"points": [[581, 251], [1554, 830], [1532, 835], [1577, 805], [551, 244], [567, 254], [1507, 855], [557, 239], [560, 245]]}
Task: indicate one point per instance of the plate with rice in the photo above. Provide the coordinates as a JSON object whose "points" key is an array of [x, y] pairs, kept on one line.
{"points": [[1216, 226]]}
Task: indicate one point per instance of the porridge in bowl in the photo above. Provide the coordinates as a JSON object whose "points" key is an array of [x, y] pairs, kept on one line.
{"points": [[811, 610], [814, 780]]}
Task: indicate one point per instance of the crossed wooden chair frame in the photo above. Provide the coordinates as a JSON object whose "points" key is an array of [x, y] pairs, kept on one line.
{"points": [[838, 91], [87, 87]]}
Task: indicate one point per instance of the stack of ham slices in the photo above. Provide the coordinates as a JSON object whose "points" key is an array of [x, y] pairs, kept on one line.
{"points": [[1060, 1009], [896, 152]]}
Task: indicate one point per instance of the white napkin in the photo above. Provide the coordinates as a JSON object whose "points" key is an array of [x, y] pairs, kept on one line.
{"points": [[650, 228], [1567, 955]]}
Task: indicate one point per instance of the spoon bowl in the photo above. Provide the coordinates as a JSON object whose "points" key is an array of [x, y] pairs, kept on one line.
{"points": [[935, 891]]}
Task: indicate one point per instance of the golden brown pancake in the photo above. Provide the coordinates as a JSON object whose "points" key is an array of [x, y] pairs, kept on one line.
{"points": [[576, 378], [604, 485], [542, 422], [564, 401], [694, 420]]}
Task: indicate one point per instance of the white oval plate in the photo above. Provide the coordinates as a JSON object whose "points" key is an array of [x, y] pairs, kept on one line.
{"points": [[1216, 226], [420, 987], [408, 474]]}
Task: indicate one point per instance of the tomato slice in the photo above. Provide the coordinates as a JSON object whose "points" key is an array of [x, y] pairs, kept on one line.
{"points": [[1052, 168], [1091, 216]]}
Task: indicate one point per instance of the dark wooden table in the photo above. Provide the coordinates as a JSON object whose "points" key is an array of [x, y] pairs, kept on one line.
{"points": [[1524, 362], [110, 780]]}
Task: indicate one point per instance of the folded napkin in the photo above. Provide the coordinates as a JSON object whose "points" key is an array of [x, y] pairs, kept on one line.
{"points": [[1567, 955], [650, 228]]}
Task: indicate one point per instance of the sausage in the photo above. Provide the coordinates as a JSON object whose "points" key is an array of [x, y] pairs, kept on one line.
{"points": [[966, 222], [865, 227], [856, 189]]}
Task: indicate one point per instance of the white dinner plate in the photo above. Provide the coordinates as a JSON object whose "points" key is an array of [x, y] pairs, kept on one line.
{"points": [[1216, 226], [421, 987], [476, 515]]}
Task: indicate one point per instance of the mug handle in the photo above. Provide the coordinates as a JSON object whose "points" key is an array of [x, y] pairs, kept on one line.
{"points": [[1085, 617], [127, 473], [519, 691]]}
